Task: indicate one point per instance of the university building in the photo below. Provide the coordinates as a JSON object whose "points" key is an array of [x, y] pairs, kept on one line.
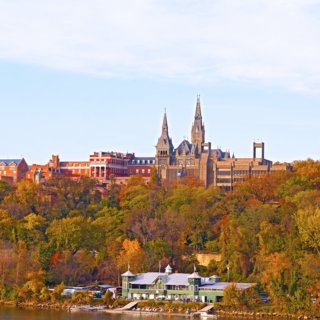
{"points": [[104, 167], [175, 286], [228, 171], [193, 158], [210, 166], [189, 158], [13, 170]]}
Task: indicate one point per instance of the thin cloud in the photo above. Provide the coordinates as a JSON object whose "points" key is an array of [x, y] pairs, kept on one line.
{"points": [[275, 43]]}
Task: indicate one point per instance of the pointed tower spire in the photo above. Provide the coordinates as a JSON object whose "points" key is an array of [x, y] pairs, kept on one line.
{"points": [[164, 147], [165, 123], [198, 131], [198, 115]]}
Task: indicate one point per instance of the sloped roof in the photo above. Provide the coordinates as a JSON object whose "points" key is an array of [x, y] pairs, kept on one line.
{"points": [[194, 275], [181, 279], [9, 161], [174, 279], [128, 274], [222, 285], [186, 146], [146, 278], [178, 279]]}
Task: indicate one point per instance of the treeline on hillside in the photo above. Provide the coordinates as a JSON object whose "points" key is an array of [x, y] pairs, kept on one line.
{"points": [[267, 231]]}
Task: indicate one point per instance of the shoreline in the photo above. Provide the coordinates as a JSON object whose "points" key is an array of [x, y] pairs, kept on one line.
{"points": [[146, 313], [222, 314]]}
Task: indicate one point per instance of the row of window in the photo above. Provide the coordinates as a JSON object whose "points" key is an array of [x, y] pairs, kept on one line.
{"points": [[5, 173], [160, 286], [11, 168], [138, 171], [240, 172], [223, 180], [138, 161]]}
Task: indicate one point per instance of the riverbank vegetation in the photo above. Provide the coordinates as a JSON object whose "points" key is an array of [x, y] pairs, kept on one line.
{"points": [[63, 231]]}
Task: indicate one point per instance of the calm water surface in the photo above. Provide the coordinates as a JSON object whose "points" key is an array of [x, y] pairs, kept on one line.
{"points": [[21, 314]]}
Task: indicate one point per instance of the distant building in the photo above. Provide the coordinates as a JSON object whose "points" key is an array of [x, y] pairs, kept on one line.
{"points": [[141, 166], [105, 167], [189, 158], [13, 170], [175, 286], [197, 159], [193, 158], [228, 171]]}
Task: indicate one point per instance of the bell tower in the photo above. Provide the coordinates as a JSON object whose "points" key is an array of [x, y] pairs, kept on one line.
{"points": [[197, 131], [164, 147]]}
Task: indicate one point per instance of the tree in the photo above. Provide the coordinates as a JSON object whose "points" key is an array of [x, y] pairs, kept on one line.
{"points": [[56, 294], [308, 222], [131, 254], [7, 225], [72, 234]]}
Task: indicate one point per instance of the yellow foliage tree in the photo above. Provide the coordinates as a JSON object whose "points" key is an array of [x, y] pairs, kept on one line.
{"points": [[131, 254]]}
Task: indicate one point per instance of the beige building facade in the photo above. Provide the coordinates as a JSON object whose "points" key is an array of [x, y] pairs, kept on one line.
{"points": [[210, 166], [189, 158]]}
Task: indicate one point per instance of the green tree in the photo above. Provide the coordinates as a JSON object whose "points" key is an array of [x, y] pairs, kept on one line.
{"points": [[308, 222]]}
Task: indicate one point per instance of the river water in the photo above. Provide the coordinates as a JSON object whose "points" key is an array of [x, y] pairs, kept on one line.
{"points": [[26, 314]]}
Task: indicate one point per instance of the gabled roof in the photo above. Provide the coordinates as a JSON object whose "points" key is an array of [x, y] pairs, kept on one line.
{"points": [[7, 162], [194, 275], [128, 274], [186, 146]]}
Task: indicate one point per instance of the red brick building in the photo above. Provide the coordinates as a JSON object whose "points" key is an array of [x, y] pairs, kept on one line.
{"points": [[13, 170], [142, 166], [102, 166], [108, 165]]}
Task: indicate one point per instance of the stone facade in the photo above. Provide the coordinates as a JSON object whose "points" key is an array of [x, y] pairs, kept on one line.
{"points": [[210, 166], [189, 158]]}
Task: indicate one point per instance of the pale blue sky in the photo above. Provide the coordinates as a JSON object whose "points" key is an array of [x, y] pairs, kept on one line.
{"points": [[83, 76]]}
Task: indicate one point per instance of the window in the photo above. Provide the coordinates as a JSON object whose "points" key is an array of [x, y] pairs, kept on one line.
{"points": [[137, 170], [142, 170], [149, 171]]}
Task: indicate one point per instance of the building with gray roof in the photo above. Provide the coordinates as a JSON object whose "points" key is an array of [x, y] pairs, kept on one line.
{"points": [[175, 286]]}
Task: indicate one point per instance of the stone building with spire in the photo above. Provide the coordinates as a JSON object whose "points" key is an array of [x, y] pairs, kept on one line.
{"points": [[210, 166], [189, 158]]}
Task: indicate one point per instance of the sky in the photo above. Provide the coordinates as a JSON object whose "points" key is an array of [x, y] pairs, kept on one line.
{"points": [[78, 76]]}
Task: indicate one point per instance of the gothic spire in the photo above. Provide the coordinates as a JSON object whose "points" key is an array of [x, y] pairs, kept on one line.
{"points": [[198, 115], [197, 131], [165, 124]]}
